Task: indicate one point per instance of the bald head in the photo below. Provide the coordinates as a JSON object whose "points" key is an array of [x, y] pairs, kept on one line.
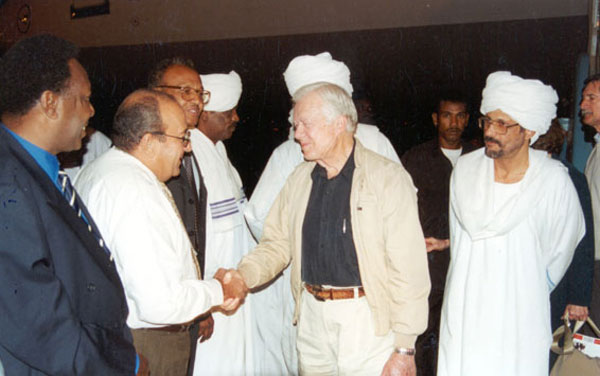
{"points": [[137, 115]]}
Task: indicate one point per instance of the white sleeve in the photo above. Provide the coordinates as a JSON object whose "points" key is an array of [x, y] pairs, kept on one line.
{"points": [[151, 255], [565, 228]]}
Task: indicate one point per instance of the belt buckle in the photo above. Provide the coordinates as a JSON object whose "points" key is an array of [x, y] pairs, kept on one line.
{"points": [[316, 290]]}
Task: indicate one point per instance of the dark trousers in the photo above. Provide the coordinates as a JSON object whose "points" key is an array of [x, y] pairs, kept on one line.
{"points": [[168, 353]]}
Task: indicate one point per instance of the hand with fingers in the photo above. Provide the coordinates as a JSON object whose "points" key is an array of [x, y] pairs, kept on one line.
{"points": [[234, 288]]}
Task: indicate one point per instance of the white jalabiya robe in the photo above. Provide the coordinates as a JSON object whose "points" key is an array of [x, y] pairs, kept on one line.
{"points": [[274, 333], [505, 260], [229, 351]]}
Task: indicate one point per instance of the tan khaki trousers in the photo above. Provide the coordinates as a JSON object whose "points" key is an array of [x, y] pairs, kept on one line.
{"points": [[337, 337]]}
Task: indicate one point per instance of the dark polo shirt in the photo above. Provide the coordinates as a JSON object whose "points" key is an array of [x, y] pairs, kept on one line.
{"points": [[328, 252]]}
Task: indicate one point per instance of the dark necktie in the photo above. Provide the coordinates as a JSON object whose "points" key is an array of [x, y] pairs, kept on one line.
{"points": [[70, 195], [199, 240]]}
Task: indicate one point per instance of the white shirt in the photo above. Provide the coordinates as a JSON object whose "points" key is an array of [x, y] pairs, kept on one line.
{"points": [[151, 248], [452, 154], [505, 261], [95, 147]]}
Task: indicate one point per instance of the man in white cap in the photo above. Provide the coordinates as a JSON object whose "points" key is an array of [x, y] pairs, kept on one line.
{"points": [[275, 321], [229, 351], [515, 221]]}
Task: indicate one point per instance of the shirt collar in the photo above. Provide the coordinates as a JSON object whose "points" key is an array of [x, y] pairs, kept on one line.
{"points": [[346, 172], [47, 162]]}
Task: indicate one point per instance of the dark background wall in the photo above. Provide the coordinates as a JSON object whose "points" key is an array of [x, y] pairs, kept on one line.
{"points": [[402, 70]]}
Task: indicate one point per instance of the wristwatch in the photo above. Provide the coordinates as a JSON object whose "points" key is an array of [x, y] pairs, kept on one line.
{"points": [[404, 351]]}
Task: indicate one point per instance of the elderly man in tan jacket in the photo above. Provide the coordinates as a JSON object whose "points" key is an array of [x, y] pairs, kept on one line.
{"points": [[347, 220]]}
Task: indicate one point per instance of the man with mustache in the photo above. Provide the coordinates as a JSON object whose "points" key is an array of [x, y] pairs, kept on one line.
{"points": [[590, 115], [125, 191], [430, 165], [178, 77], [515, 221]]}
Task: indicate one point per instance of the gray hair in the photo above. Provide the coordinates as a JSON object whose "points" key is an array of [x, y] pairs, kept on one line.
{"points": [[137, 115], [336, 102]]}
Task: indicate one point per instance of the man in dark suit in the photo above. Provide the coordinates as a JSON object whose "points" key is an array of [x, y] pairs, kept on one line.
{"points": [[62, 302], [178, 77]]}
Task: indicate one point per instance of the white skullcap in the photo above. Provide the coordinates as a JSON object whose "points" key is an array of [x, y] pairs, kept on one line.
{"points": [[308, 69], [225, 90], [529, 102]]}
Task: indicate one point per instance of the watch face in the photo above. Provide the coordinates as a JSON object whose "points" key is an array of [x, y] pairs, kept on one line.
{"points": [[24, 18]]}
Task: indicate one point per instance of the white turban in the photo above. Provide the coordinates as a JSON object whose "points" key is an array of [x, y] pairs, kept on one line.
{"points": [[225, 90], [307, 69], [529, 102]]}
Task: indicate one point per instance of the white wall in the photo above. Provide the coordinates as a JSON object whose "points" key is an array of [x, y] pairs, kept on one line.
{"points": [[155, 21]]}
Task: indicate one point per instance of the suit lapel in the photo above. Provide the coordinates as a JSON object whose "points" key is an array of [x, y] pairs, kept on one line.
{"points": [[58, 203]]}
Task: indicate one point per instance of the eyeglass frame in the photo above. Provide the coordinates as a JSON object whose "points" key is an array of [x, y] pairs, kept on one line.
{"points": [[501, 128], [185, 140], [204, 95]]}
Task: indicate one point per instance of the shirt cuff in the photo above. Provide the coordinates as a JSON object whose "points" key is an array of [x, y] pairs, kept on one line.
{"points": [[216, 292]]}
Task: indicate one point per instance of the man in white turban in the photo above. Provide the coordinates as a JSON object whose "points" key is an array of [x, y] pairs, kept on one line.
{"points": [[229, 350], [515, 221], [275, 329]]}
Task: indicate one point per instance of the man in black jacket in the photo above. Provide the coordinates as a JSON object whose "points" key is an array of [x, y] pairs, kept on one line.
{"points": [[430, 166], [62, 302]]}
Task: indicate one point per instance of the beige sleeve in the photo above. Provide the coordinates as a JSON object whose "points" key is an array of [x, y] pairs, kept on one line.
{"points": [[409, 283], [273, 253]]}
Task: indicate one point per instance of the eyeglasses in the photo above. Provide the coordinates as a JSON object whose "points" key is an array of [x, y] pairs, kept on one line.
{"points": [[188, 93], [184, 139], [500, 126]]}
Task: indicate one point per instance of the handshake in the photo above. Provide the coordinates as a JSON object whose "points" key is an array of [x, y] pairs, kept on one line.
{"points": [[234, 288]]}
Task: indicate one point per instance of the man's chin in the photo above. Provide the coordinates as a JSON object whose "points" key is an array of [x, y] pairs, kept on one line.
{"points": [[494, 154], [191, 121]]}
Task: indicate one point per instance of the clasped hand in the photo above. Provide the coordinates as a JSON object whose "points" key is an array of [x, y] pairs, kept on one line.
{"points": [[234, 288]]}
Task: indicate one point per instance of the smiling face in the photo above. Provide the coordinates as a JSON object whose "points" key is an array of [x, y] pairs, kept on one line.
{"points": [[170, 149], [450, 121], [74, 108], [590, 105], [182, 76]]}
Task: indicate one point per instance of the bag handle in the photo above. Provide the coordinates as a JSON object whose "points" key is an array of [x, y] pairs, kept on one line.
{"points": [[565, 331], [590, 322], [560, 332]]}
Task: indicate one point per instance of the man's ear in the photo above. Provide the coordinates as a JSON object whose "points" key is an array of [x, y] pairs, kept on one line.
{"points": [[49, 104], [434, 118], [147, 144], [340, 123], [528, 134]]}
